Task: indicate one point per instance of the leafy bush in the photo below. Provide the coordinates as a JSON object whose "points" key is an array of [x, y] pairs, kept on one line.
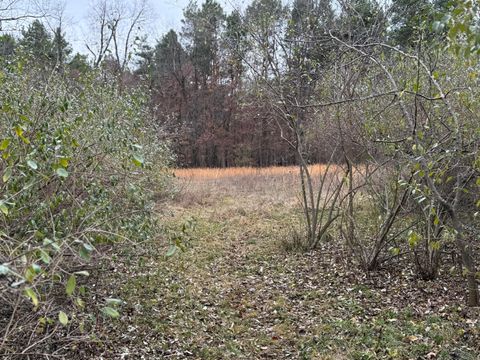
{"points": [[80, 166]]}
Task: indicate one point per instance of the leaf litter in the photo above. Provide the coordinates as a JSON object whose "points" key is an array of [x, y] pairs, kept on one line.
{"points": [[235, 294]]}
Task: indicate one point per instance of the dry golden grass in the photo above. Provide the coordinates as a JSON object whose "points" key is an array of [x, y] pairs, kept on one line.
{"points": [[248, 185], [219, 173]]}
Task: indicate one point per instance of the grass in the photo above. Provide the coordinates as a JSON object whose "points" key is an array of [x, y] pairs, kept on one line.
{"points": [[239, 172], [236, 294]]}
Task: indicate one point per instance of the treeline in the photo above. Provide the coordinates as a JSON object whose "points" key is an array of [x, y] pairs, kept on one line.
{"points": [[208, 81], [47, 49]]}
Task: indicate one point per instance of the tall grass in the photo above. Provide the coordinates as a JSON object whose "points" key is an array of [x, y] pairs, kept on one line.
{"points": [[275, 184], [219, 173]]}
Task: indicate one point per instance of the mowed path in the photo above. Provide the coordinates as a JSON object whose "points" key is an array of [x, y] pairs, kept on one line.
{"points": [[235, 293]]}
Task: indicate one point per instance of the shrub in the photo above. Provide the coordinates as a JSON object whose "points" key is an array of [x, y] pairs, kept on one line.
{"points": [[80, 166]]}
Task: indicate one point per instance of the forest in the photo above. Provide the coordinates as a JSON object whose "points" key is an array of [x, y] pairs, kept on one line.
{"points": [[270, 180]]}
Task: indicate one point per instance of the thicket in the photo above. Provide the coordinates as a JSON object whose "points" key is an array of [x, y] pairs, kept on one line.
{"points": [[81, 165], [396, 104]]}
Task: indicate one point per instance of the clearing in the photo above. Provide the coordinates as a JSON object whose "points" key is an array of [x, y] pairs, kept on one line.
{"points": [[235, 293]]}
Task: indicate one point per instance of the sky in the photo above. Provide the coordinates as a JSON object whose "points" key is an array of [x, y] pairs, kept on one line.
{"points": [[167, 15]]}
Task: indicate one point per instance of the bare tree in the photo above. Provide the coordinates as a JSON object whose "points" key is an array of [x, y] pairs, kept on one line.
{"points": [[14, 12], [442, 151], [116, 26]]}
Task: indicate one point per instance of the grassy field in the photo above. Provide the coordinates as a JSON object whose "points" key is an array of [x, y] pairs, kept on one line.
{"points": [[234, 293], [286, 172]]}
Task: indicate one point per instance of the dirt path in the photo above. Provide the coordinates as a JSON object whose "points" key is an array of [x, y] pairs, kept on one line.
{"points": [[235, 294]]}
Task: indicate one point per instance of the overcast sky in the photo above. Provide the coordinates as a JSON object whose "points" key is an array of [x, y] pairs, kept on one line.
{"points": [[168, 15]]}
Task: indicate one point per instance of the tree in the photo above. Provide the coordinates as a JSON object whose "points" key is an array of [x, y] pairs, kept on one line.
{"points": [[436, 137], [408, 20], [116, 26], [145, 64], [235, 38], [7, 46], [201, 31], [411, 20], [79, 63], [265, 21], [308, 51], [362, 19], [60, 47], [14, 11], [37, 43], [169, 57]]}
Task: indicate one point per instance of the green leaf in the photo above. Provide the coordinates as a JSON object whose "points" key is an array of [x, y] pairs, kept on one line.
{"points": [[63, 162], [88, 247], [3, 208], [171, 251], [4, 144], [32, 164], [45, 256], [53, 244], [437, 26], [30, 274], [71, 283], [36, 268], [63, 318], [138, 160], [395, 251], [413, 239], [416, 87], [7, 174], [19, 131], [29, 292], [85, 251], [84, 254], [80, 302], [25, 140], [111, 312], [62, 172], [112, 301]]}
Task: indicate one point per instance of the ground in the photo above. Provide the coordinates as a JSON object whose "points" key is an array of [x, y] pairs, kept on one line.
{"points": [[234, 292]]}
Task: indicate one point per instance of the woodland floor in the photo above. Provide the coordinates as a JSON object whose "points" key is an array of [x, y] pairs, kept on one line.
{"points": [[235, 293]]}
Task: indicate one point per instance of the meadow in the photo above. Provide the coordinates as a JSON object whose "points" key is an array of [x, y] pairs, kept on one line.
{"points": [[284, 172], [234, 292], [273, 184]]}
